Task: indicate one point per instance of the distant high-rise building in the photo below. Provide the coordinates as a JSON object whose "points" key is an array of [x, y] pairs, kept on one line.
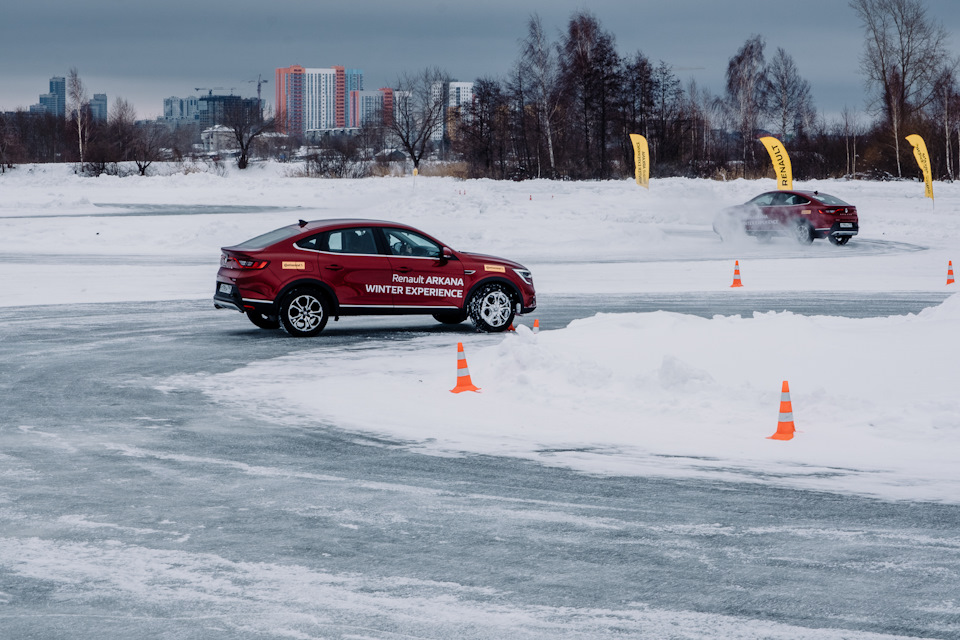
{"points": [[49, 102], [348, 81], [176, 109], [214, 110], [456, 97], [289, 98], [316, 98], [54, 102], [98, 107], [58, 88], [371, 107]]}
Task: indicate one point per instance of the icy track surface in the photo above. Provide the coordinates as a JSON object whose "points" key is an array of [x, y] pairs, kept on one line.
{"points": [[169, 471]]}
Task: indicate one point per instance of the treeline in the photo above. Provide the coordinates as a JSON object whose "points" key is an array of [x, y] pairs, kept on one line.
{"points": [[568, 107]]}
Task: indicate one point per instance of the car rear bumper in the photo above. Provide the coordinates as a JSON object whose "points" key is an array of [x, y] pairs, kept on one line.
{"points": [[227, 296], [839, 229]]}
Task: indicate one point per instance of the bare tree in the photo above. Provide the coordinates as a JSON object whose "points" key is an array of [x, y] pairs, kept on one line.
{"points": [[122, 128], [419, 108], [537, 60], [788, 95], [77, 99], [850, 129], [244, 119], [591, 76], [8, 140], [746, 94], [903, 53], [944, 108], [147, 144]]}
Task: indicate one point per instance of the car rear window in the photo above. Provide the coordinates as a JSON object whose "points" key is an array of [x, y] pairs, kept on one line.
{"points": [[269, 238], [826, 198]]}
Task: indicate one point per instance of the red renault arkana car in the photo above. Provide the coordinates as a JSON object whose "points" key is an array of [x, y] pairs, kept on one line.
{"points": [[296, 277]]}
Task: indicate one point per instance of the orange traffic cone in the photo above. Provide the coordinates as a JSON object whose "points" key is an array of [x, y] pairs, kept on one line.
{"points": [[511, 327], [785, 426], [536, 325], [950, 279], [463, 373], [736, 275]]}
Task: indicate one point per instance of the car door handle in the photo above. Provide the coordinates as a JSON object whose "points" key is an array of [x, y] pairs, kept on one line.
{"points": [[404, 269], [334, 267]]}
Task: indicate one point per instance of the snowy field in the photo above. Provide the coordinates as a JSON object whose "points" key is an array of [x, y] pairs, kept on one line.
{"points": [[876, 401]]}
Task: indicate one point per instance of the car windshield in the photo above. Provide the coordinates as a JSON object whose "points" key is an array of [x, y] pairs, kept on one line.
{"points": [[826, 198], [269, 238]]}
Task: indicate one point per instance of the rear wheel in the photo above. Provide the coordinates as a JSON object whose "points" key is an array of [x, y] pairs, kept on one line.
{"points": [[304, 313], [491, 308], [262, 320], [839, 240]]}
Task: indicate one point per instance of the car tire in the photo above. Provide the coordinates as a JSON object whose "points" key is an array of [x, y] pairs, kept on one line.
{"points": [[839, 240], [452, 317], [304, 312], [262, 320], [492, 308], [803, 232]]}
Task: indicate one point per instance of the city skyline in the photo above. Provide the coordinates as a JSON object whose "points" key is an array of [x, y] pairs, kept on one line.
{"points": [[183, 47]]}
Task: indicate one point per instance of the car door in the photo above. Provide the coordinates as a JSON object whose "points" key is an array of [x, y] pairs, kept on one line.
{"points": [[780, 208], [423, 278], [350, 262]]}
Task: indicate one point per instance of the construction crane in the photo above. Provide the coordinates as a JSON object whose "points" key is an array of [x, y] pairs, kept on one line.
{"points": [[259, 82]]}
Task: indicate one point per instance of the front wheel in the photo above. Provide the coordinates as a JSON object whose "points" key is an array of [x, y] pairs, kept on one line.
{"points": [[491, 308], [839, 240], [262, 320], [803, 232], [304, 313]]}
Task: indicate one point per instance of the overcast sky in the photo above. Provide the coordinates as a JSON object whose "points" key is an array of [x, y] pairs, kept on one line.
{"points": [[147, 51]]}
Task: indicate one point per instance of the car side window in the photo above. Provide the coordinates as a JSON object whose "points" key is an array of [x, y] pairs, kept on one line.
{"points": [[780, 199], [312, 243], [357, 241], [763, 200], [408, 243]]}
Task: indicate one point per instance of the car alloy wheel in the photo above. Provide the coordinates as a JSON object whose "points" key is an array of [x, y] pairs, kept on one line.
{"points": [[303, 313], [804, 232], [491, 308]]}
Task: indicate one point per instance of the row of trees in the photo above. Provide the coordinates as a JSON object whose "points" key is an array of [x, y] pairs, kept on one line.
{"points": [[567, 107]]}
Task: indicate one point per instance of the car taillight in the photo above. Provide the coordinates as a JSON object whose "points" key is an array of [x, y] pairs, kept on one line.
{"points": [[835, 211], [232, 262]]}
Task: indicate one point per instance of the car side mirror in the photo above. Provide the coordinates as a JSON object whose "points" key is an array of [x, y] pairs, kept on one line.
{"points": [[447, 254]]}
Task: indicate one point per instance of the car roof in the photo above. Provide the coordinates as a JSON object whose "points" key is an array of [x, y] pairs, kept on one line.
{"points": [[809, 194], [333, 223]]}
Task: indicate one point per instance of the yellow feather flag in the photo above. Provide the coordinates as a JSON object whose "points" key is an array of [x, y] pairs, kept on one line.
{"points": [[920, 153], [642, 158], [781, 162]]}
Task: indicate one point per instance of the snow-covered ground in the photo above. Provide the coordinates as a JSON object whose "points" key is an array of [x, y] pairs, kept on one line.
{"points": [[875, 400]]}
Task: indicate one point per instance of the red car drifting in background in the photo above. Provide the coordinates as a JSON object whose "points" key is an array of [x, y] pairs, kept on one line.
{"points": [[804, 215], [296, 277]]}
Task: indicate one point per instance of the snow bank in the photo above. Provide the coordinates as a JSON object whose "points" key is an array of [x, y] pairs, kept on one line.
{"points": [[875, 400]]}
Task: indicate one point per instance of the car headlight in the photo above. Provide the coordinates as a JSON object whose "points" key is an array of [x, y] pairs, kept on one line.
{"points": [[525, 275]]}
